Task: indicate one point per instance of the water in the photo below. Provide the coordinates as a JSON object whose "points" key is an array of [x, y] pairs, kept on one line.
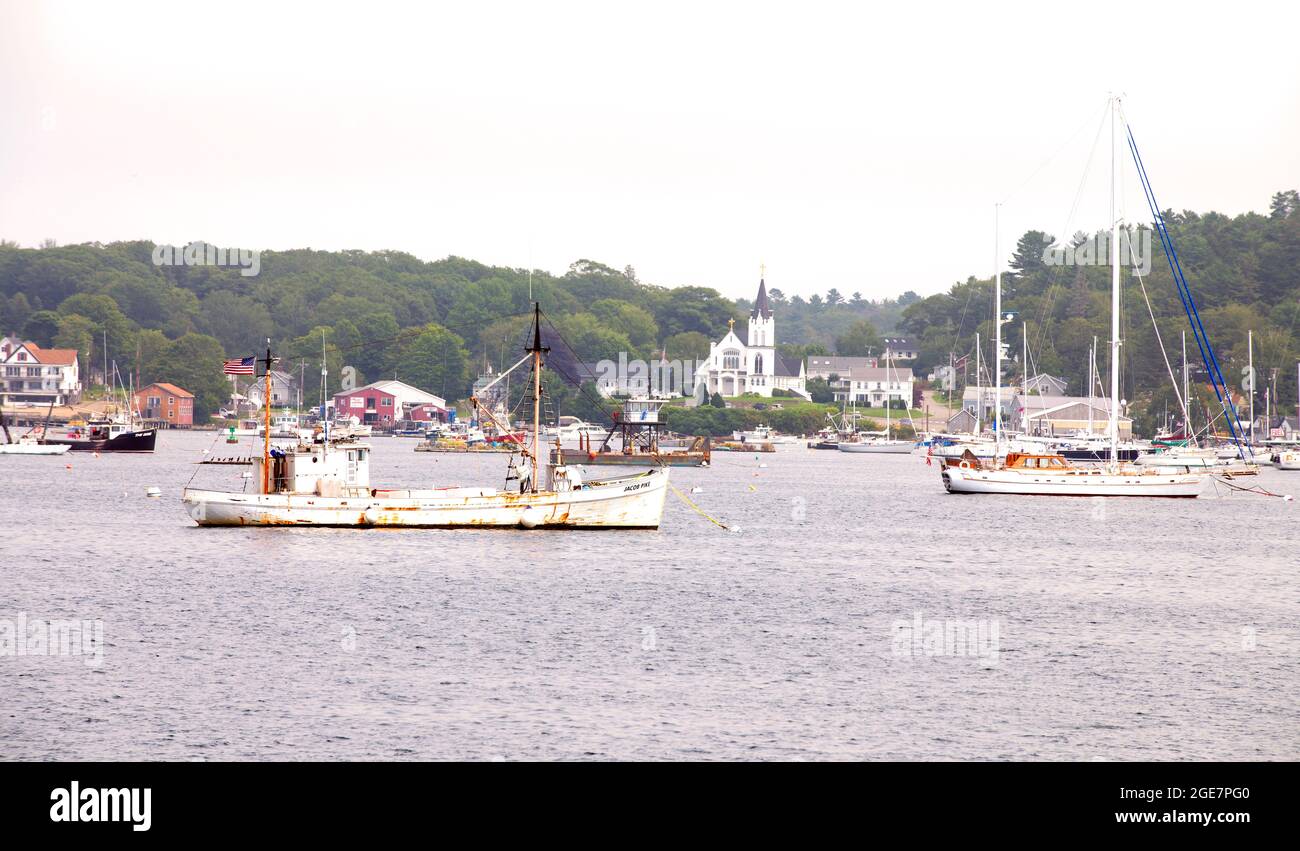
{"points": [[1143, 629]]}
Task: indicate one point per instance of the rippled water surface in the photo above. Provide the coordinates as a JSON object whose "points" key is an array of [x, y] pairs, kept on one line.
{"points": [[1129, 629]]}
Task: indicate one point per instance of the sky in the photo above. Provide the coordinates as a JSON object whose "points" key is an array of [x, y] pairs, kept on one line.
{"points": [[856, 146]]}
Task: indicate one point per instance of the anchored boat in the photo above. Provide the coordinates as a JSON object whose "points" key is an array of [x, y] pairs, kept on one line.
{"points": [[328, 484]]}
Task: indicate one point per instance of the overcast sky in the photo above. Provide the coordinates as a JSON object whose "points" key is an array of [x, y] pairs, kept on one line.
{"points": [[859, 146]]}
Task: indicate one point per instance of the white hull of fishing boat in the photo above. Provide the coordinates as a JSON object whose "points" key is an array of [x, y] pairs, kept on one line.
{"points": [[1078, 482], [634, 502], [1288, 460], [33, 448], [878, 447]]}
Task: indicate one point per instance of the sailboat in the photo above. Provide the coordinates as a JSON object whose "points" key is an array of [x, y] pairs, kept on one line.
{"points": [[1052, 474], [880, 443], [327, 483]]}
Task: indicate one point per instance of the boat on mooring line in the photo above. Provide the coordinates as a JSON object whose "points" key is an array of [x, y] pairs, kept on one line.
{"points": [[106, 434], [327, 483]]}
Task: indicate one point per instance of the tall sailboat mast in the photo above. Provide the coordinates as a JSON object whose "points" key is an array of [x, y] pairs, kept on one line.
{"points": [[997, 327], [1250, 344], [1113, 423]]}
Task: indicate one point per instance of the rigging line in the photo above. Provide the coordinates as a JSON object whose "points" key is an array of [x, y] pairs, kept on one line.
{"points": [[1045, 317], [417, 330], [1057, 153], [600, 405], [1159, 339], [1208, 357]]}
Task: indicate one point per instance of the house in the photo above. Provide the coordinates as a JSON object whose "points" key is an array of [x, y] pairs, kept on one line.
{"points": [[427, 413], [1044, 416], [31, 374], [824, 366], [876, 387], [899, 348], [979, 402], [1277, 428], [384, 403], [1043, 384], [1039, 416], [165, 405], [734, 368], [284, 390]]}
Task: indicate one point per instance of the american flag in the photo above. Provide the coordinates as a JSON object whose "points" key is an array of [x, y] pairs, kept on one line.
{"points": [[239, 366]]}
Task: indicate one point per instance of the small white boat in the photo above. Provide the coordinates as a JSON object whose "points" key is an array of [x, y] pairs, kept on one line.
{"points": [[1287, 459], [877, 445], [764, 434], [27, 445]]}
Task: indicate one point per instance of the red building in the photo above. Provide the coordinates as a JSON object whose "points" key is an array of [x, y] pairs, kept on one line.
{"points": [[166, 405], [428, 413], [369, 405]]}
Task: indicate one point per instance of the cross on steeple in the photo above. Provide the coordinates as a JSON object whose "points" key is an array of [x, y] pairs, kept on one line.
{"points": [[731, 324]]}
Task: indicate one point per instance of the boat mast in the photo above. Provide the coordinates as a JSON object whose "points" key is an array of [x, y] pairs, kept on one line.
{"points": [[536, 351], [1092, 380], [1250, 344], [979, 390], [997, 345], [1187, 400], [266, 413], [1113, 423]]}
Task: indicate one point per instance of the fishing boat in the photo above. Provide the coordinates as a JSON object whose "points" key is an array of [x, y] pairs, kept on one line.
{"points": [[328, 484], [1054, 475], [106, 434]]}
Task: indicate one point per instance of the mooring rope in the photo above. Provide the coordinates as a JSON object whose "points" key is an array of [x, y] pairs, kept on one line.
{"points": [[684, 498]]}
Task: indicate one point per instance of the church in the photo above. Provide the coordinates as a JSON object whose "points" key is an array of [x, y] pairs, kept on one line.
{"points": [[734, 368]]}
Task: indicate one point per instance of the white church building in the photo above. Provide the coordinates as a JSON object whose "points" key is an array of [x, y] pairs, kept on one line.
{"points": [[734, 368]]}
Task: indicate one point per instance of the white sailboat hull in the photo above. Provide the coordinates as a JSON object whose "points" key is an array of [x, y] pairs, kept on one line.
{"points": [[903, 447], [1075, 483], [633, 502]]}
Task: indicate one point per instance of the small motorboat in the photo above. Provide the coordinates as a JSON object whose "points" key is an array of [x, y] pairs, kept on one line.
{"points": [[28, 445]]}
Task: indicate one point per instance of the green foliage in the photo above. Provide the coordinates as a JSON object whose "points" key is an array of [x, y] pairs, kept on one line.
{"points": [[861, 339]]}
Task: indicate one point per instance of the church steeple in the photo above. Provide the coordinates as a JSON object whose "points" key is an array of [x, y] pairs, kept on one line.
{"points": [[762, 307], [762, 327]]}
